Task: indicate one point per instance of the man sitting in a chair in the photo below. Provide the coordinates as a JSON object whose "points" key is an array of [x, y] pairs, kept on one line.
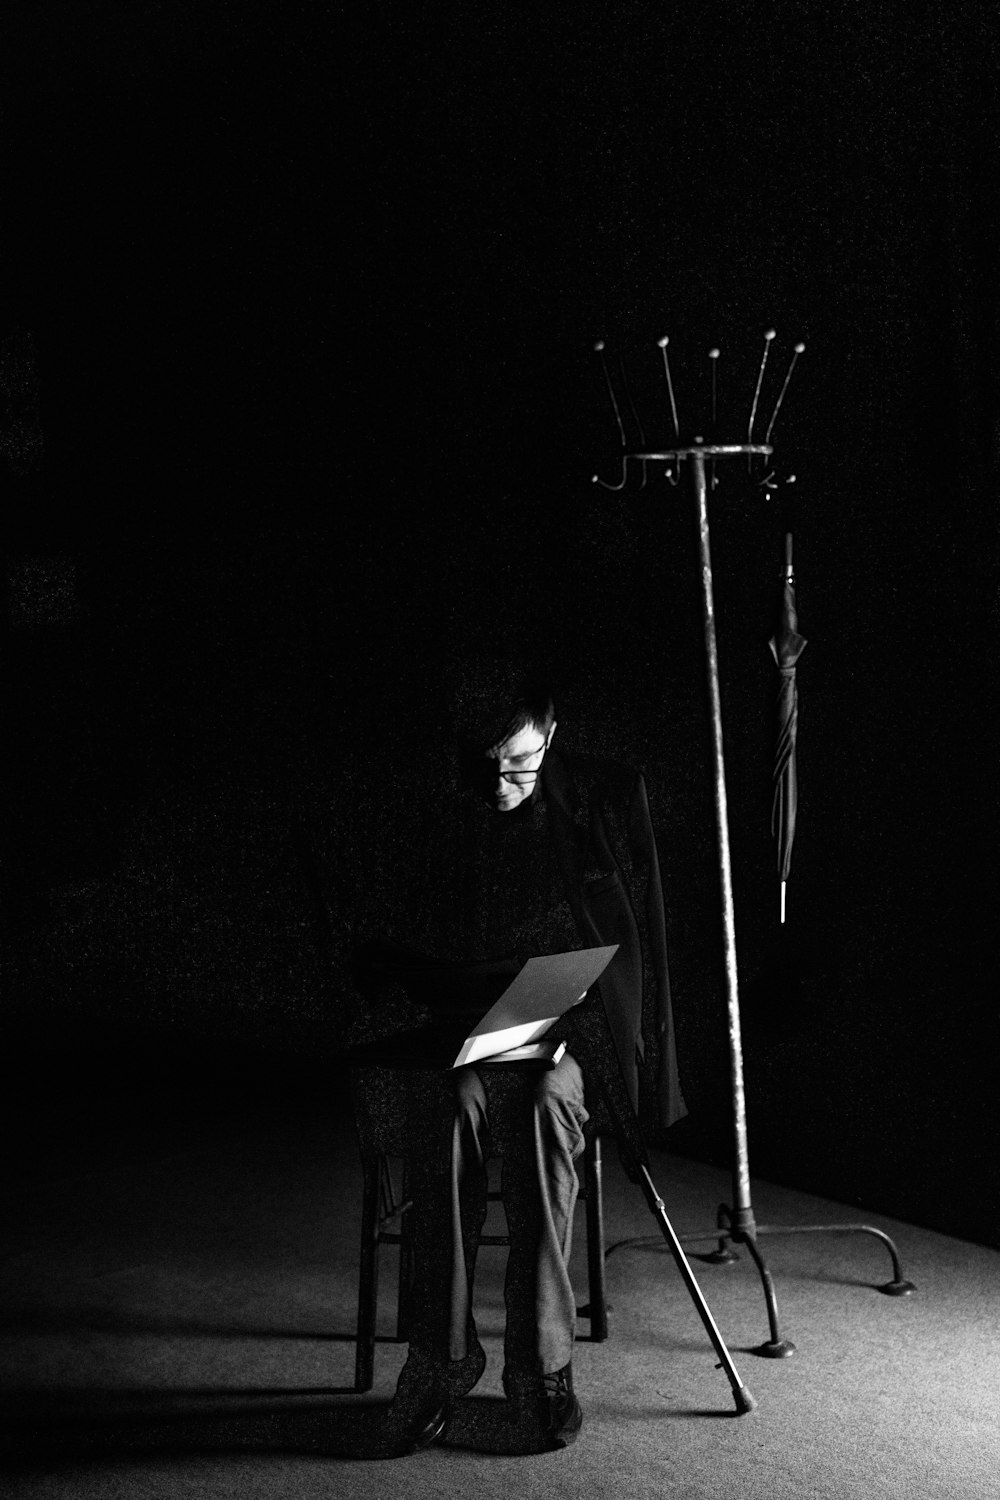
{"points": [[530, 852]]}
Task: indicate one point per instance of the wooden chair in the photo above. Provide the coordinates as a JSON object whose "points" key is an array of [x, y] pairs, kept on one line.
{"points": [[384, 1217]]}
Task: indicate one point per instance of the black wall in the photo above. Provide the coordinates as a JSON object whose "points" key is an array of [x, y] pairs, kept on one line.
{"points": [[297, 327]]}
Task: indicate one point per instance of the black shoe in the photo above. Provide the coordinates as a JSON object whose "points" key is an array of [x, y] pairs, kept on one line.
{"points": [[426, 1395], [564, 1416], [424, 1430], [552, 1396]]}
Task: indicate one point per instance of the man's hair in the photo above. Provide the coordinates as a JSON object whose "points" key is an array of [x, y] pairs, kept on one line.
{"points": [[490, 698]]}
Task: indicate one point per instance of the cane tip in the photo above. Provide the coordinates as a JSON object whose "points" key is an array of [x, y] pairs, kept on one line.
{"points": [[770, 334], [598, 346], [713, 353], [663, 342], [800, 348]]}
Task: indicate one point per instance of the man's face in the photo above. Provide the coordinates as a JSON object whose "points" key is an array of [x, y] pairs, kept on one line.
{"points": [[514, 764]]}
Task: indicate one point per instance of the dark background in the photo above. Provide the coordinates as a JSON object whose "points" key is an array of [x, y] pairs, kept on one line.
{"points": [[297, 318]]}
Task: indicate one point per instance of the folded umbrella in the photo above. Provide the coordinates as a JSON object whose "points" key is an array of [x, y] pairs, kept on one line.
{"points": [[786, 647]]}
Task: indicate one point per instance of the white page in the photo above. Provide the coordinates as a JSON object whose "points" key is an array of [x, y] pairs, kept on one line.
{"points": [[475, 1048], [543, 990]]}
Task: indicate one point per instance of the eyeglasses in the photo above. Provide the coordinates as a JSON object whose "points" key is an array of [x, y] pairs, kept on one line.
{"points": [[524, 778]]}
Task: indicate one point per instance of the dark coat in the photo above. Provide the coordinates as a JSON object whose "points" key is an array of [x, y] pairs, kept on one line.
{"points": [[599, 818]]}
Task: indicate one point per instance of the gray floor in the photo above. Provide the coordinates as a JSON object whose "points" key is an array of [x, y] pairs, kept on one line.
{"points": [[194, 1259]]}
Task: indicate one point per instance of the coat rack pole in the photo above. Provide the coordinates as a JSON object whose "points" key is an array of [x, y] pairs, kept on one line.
{"points": [[742, 1210], [740, 1217]]}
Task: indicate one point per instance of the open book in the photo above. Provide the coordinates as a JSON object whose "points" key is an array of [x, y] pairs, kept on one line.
{"points": [[496, 1011], [543, 990]]}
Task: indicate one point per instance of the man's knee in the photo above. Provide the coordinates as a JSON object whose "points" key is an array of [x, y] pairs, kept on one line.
{"points": [[560, 1090], [470, 1096]]}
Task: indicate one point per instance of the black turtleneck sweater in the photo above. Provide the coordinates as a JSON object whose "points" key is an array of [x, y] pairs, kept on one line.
{"points": [[492, 886]]}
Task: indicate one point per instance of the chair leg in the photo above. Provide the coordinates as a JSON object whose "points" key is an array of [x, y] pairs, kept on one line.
{"points": [[598, 1308], [364, 1360], [404, 1300]]}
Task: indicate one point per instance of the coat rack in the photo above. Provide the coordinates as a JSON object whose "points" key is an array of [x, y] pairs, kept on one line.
{"points": [[735, 1225]]}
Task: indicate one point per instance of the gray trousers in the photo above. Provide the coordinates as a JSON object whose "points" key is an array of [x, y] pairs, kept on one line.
{"points": [[541, 1307]]}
